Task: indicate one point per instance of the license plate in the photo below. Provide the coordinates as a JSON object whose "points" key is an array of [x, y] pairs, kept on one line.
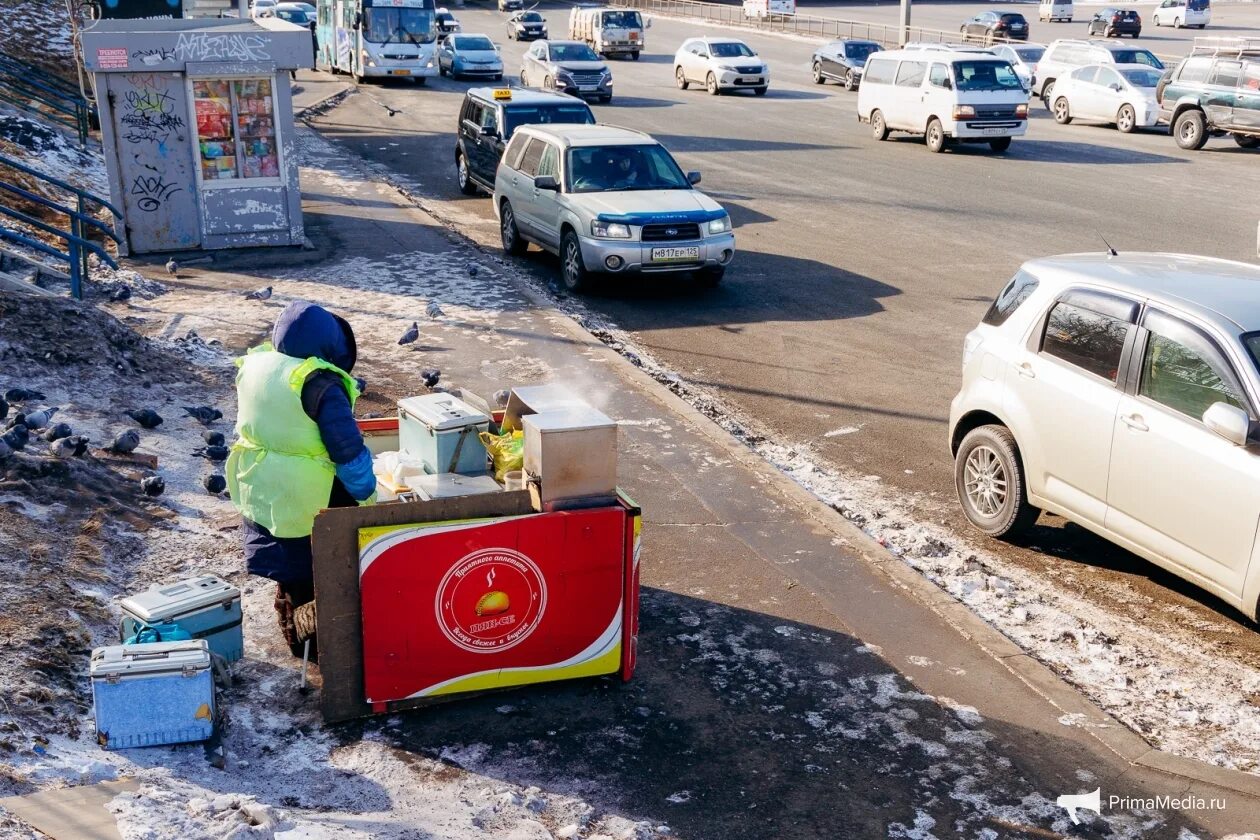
{"points": [[994, 131], [691, 253], [400, 72]]}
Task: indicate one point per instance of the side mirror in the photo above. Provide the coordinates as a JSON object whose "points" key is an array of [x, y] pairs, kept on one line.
{"points": [[547, 182], [693, 177], [358, 20], [1228, 421], [1117, 87], [947, 84]]}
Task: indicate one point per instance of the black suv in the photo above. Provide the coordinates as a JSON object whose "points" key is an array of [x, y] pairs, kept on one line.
{"points": [[993, 27], [1207, 94], [488, 118], [1116, 22]]}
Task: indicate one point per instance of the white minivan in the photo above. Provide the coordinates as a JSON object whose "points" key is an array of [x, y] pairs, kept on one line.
{"points": [[944, 95], [1053, 10], [1179, 13]]}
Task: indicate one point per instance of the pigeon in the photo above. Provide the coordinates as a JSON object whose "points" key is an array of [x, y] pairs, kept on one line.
{"points": [[57, 432], [212, 453], [18, 419], [472, 269], [501, 397], [214, 484], [361, 384], [80, 444], [39, 419], [259, 294], [17, 437], [125, 442], [146, 417], [22, 395], [412, 333], [120, 294], [172, 268], [430, 376], [5, 449], [153, 485], [203, 414], [66, 447], [212, 438], [4, 408], [433, 310]]}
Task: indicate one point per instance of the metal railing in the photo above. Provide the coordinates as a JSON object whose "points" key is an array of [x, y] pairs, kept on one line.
{"points": [[46, 95], [80, 219]]}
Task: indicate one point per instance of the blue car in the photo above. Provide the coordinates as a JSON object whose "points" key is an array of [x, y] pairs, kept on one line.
{"points": [[469, 55]]}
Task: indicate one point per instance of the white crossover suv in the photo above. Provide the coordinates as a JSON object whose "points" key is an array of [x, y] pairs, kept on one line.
{"points": [[608, 200], [1121, 392], [720, 64]]}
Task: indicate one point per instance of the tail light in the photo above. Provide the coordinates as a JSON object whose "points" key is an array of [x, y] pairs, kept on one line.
{"points": [[1115, 18], [1138, 18], [1021, 111], [1000, 25]]}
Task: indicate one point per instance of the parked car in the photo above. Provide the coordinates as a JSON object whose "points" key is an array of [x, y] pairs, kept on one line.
{"points": [[1179, 13], [990, 27], [469, 55], [1055, 10], [490, 116], [1024, 58], [1122, 94], [1122, 393], [720, 64], [446, 22], [842, 61], [1215, 92], [257, 8], [568, 66], [293, 13], [526, 26], [1066, 54], [945, 96], [1113, 23], [608, 200], [511, 5]]}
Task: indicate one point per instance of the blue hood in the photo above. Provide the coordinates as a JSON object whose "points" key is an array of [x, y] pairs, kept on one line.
{"points": [[305, 329]]}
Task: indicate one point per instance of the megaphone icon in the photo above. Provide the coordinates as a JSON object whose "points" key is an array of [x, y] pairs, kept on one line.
{"points": [[1073, 801]]}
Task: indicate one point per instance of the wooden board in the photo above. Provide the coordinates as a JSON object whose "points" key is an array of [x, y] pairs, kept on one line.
{"points": [[338, 614]]}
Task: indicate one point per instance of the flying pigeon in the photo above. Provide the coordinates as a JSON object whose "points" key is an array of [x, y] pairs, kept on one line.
{"points": [[203, 414], [212, 453], [39, 419], [172, 268], [259, 294], [125, 442], [153, 485], [412, 333], [433, 310], [214, 484], [57, 432], [501, 397], [22, 395], [17, 437], [430, 376], [146, 417], [472, 269], [212, 438]]}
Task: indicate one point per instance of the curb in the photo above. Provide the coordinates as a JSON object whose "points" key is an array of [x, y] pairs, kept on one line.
{"points": [[1111, 733]]}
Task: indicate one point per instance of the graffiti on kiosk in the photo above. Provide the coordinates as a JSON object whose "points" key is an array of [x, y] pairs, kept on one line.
{"points": [[149, 116], [152, 191], [152, 57], [200, 47]]}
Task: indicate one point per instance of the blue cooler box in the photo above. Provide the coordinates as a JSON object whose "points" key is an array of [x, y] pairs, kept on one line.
{"points": [[444, 432], [152, 694], [207, 607]]}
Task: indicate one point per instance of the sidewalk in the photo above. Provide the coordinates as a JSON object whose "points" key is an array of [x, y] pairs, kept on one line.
{"points": [[794, 680]]}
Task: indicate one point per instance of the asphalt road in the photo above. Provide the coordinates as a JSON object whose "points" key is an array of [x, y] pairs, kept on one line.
{"points": [[862, 265]]}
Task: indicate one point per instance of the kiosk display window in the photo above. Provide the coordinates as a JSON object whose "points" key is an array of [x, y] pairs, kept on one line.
{"points": [[236, 129]]}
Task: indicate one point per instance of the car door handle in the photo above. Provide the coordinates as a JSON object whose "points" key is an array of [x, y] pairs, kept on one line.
{"points": [[1026, 370], [1134, 422]]}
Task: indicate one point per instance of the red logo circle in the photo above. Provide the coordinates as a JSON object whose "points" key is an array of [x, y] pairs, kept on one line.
{"points": [[491, 600]]}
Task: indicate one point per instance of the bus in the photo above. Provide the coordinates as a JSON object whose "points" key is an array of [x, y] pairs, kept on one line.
{"points": [[377, 38]]}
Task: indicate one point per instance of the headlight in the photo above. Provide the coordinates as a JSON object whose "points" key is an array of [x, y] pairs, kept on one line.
{"points": [[964, 111], [728, 68], [371, 63], [721, 225], [430, 64], [610, 230], [1021, 111]]}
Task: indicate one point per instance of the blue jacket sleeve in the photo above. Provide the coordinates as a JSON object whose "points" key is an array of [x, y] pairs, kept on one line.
{"points": [[357, 476], [340, 434]]}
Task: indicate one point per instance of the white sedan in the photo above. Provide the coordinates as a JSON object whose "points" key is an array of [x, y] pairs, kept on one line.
{"points": [[1122, 94], [720, 64]]}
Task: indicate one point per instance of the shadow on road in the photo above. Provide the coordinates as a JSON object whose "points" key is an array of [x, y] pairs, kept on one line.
{"points": [[692, 143], [1057, 151], [642, 102]]}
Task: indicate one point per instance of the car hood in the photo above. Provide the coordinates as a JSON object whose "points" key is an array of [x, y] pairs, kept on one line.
{"points": [[580, 66], [529, 24], [649, 206]]}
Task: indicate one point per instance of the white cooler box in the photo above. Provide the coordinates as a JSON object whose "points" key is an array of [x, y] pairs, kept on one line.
{"points": [[207, 607], [152, 694], [443, 431]]}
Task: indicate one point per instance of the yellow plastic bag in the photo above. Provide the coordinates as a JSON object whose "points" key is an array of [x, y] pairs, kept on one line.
{"points": [[507, 451]]}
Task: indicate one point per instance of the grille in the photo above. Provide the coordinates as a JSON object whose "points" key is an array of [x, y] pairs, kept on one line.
{"points": [[995, 113], [586, 79], [748, 70], [662, 233], [397, 56]]}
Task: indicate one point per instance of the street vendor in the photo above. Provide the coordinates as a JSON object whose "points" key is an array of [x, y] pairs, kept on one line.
{"points": [[298, 450]]}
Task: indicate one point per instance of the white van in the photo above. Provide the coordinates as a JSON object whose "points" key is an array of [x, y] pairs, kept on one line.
{"points": [[1179, 13], [769, 8], [945, 96], [1053, 10]]}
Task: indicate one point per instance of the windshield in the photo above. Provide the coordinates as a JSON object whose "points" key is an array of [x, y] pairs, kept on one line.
{"points": [[398, 26], [473, 44], [859, 52], [531, 17], [445, 17], [986, 75], [1137, 57], [1142, 78], [730, 50], [618, 168], [624, 19], [572, 52], [519, 115], [1030, 55]]}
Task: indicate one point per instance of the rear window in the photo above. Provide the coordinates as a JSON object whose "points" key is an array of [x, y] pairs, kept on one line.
{"points": [[1030, 55], [1137, 57], [859, 52], [1127, 15], [879, 72], [1012, 18], [1143, 78], [1198, 5], [1195, 70], [570, 113], [1017, 291]]}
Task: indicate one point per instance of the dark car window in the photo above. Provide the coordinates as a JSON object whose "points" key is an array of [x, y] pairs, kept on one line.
{"points": [[1195, 70], [879, 72], [1250, 77], [1030, 55], [911, 73], [1013, 19], [1089, 340], [472, 42], [1198, 5], [475, 113], [532, 157], [572, 52], [986, 75], [602, 168], [731, 50], [568, 113], [859, 52], [1225, 73], [512, 157], [1142, 78], [1132, 56], [1017, 291], [530, 17], [1183, 369]]}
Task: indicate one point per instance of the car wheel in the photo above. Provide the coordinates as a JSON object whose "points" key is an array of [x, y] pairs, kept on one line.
{"points": [[466, 185], [1247, 141], [1190, 130], [1126, 119], [818, 76], [572, 269], [710, 278], [1047, 91], [712, 86], [1062, 112], [498, 77], [879, 129], [989, 478], [524, 80], [1001, 144], [509, 233], [681, 78], [935, 136], [548, 83], [761, 91], [634, 56], [441, 69], [604, 100], [1176, 23], [850, 81]]}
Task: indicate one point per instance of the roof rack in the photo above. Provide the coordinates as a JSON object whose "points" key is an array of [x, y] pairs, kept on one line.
{"points": [[1217, 45]]}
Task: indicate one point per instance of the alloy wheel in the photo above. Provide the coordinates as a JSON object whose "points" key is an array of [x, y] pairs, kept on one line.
{"points": [[985, 481]]}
